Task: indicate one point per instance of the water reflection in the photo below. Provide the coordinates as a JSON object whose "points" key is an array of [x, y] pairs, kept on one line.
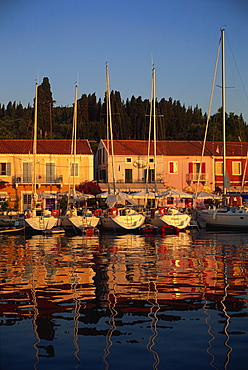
{"points": [[118, 300]]}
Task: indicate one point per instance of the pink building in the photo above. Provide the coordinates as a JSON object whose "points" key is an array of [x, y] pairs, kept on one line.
{"points": [[178, 165]]}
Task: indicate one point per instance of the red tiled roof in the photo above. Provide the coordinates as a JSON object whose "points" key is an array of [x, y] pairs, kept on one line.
{"points": [[176, 148], [44, 147]]}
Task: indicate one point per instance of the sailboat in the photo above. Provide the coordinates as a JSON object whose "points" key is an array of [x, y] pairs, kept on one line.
{"points": [[72, 219], [163, 216], [119, 218], [224, 217], [34, 222]]}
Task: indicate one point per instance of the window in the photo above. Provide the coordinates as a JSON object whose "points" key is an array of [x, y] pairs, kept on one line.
{"points": [[128, 175], [128, 160], [74, 169], [5, 169], [50, 172], [151, 160], [27, 172], [236, 168], [218, 168], [173, 167]]}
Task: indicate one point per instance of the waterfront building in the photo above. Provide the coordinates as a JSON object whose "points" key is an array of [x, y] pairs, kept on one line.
{"points": [[54, 167], [179, 165]]}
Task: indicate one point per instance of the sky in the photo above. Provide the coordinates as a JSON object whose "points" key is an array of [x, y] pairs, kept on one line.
{"points": [[71, 40]]}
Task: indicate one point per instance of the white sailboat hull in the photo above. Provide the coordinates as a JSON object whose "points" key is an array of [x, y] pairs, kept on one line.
{"points": [[123, 223], [40, 223], [181, 221], [72, 221], [224, 218]]}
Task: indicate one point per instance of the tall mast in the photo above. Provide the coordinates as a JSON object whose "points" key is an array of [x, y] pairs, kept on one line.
{"points": [[109, 121], [75, 137], [224, 110], [154, 126], [35, 138]]}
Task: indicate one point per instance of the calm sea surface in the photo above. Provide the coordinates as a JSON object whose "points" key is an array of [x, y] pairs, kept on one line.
{"points": [[124, 302]]}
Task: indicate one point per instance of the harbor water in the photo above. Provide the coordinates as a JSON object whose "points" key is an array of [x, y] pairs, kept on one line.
{"points": [[124, 301]]}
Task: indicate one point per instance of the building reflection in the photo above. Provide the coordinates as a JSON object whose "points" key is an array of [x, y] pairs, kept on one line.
{"points": [[61, 268], [110, 276]]}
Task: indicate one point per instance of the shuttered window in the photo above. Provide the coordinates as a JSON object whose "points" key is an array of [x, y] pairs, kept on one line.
{"points": [[50, 172], [27, 172], [173, 167], [74, 169]]}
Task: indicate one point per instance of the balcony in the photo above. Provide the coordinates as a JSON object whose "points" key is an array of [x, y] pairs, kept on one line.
{"points": [[193, 177], [40, 179], [137, 185]]}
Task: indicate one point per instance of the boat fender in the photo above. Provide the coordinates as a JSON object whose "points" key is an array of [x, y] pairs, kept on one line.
{"points": [[162, 211], [97, 212], [55, 213], [113, 211]]}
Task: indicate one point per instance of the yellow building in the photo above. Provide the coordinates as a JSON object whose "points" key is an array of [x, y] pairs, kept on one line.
{"points": [[53, 169]]}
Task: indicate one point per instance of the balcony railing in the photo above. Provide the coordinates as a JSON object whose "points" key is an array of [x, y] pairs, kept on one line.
{"points": [[40, 179], [193, 177]]}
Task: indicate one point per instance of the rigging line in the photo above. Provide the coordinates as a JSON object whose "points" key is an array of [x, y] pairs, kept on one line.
{"points": [[237, 126], [237, 69], [149, 143], [209, 112]]}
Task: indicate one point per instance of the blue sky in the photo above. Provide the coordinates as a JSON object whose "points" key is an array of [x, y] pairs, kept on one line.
{"points": [[66, 40]]}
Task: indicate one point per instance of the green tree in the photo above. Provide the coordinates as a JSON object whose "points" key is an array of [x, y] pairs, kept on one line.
{"points": [[45, 105]]}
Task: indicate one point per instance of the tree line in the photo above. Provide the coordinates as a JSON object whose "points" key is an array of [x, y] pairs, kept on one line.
{"points": [[130, 119]]}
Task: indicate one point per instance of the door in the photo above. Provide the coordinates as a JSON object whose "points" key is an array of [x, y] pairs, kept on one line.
{"points": [[26, 201], [128, 175]]}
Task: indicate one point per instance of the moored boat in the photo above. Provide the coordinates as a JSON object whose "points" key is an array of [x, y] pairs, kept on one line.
{"points": [[122, 219], [224, 217], [72, 220], [161, 216], [169, 216], [33, 222]]}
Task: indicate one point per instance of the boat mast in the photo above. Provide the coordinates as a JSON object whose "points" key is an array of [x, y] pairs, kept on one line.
{"points": [[75, 139], [224, 111], [35, 144], [154, 126], [109, 121]]}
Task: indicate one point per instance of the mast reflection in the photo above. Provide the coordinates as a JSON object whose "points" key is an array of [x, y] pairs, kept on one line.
{"points": [[106, 281]]}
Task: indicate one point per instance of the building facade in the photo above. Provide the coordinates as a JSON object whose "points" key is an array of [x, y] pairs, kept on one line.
{"points": [[53, 169], [179, 164]]}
